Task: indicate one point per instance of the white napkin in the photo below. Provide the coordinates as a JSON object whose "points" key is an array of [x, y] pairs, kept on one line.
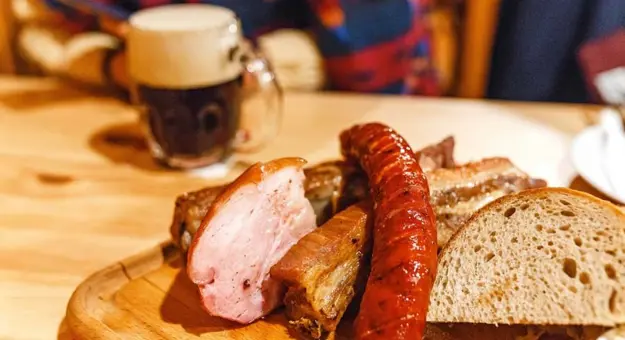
{"points": [[614, 150]]}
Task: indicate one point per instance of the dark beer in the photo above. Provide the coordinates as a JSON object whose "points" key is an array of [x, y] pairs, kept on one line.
{"points": [[187, 67], [198, 123]]}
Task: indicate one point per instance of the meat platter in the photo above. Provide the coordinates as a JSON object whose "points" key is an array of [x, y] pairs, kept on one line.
{"points": [[355, 247]]}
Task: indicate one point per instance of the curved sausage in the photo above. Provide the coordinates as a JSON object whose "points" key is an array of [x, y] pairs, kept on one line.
{"points": [[403, 266]]}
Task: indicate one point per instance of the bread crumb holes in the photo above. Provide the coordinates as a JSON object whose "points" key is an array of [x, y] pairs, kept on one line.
{"points": [[584, 278], [610, 271], [578, 241], [570, 267], [509, 212], [612, 301]]}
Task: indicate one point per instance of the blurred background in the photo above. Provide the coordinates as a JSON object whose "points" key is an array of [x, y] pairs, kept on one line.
{"points": [[530, 50]]}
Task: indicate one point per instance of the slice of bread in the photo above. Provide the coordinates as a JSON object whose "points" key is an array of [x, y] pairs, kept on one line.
{"points": [[549, 256]]}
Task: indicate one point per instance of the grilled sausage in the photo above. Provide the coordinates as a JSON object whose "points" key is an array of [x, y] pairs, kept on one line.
{"points": [[403, 266]]}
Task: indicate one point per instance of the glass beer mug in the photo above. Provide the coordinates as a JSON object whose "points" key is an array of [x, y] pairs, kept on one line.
{"points": [[203, 94]]}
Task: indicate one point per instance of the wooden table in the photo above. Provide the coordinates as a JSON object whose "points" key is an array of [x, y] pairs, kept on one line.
{"points": [[78, 190]]}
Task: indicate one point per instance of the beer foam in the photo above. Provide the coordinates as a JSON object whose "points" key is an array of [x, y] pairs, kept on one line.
{"points": [[183, 46]]}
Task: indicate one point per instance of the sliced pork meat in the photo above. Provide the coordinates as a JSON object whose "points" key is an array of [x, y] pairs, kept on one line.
{"points": [[252, 223], [325, 270], [457, 193]]}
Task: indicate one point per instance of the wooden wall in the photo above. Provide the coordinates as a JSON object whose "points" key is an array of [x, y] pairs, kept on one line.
{"points": [[478, 34]]}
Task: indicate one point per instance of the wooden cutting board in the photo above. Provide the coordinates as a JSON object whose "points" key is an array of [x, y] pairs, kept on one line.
{"points": [[149, 296]]}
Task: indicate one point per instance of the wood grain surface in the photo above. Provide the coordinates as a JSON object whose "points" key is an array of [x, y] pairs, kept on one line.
{"points": [[79, 191], [149, 296]]}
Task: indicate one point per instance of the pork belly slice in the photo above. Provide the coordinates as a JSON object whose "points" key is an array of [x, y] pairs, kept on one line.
{"points": [[457, 193], [189, 211], [252, 223], [324, 273], [320, 271]]}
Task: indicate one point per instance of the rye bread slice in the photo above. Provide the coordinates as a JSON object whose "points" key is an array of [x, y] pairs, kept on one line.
{"points": [[548, 256]]}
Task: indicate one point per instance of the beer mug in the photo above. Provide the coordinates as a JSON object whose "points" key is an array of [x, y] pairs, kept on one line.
{"points": [[202, 93]]}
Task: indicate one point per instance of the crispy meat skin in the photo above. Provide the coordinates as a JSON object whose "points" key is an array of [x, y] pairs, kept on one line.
{"points": [[309, 314], [189, 211], [330, 187], [457, 193], [322, 268]]}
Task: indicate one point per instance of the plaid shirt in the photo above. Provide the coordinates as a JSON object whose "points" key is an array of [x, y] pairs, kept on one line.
{"points": [[380, 46]]}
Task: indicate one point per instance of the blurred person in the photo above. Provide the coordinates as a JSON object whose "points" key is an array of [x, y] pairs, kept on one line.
{"points": [[535, 57], [375, 46]]}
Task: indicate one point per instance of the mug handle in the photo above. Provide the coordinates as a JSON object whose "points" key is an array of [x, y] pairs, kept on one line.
{"points": [[261, 107]]}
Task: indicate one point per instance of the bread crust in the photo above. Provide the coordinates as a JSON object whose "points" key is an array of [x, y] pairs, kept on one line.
{"points": [[529, 192]]}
